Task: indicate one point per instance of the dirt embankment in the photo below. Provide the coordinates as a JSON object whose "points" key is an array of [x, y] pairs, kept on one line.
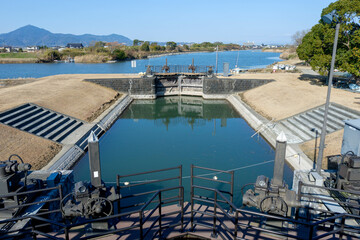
{"points": [[32, 149], [67, 94]]}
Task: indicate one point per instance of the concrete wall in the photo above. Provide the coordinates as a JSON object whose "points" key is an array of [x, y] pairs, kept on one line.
{"points": [[229, 86], [211, 86], [137, 86]]}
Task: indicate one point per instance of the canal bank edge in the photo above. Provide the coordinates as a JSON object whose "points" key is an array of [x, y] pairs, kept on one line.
{"points": [[77, 143], [294, 155], [70, 153]]}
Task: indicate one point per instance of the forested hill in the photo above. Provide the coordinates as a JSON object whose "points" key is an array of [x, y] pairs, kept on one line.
{"points": [[33, 36]]}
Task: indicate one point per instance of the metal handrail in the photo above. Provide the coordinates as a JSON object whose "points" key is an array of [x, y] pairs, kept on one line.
{"points": [[311, 196], [231, 182], [141, 224], [119, 187], [311, 225]]}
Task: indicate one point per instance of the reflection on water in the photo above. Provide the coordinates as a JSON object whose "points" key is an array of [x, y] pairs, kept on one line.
{"points": [[190, 111], [173, 131]]}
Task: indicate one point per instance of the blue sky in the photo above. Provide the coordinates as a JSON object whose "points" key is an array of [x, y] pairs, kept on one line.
{"points": [[237, 21]]}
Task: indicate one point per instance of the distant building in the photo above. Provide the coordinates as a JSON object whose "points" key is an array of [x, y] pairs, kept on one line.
{"points": [[32, 49], [6, 48], [74, 45], [249, 44]]}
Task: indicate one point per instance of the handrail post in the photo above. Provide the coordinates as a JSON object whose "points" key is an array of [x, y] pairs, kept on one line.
{"points": [[67, 233], [232, 190], [160, 204], [342, 226], [141, 224], [311, 231], [180, 179], [118, 190], [182, 209], [192, 197], [236, 223], [297, 209], [33, 229], [214, 234]]}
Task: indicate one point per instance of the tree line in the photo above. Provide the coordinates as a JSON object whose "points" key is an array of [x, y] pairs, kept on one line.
{"points": [[316, 45]]}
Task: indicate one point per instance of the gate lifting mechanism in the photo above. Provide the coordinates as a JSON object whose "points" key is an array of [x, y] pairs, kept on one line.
{"points": [[92, 200], [11, 173], [273, 196]]}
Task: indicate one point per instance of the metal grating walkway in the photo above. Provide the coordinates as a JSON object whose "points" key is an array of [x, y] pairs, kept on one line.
{"points": [[40, 121]]}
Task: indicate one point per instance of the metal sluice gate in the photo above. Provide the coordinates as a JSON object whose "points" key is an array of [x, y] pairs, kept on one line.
{"points": [[47, 205]]}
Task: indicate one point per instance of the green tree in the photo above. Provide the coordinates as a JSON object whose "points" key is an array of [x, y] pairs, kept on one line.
{"points": [[50, 55], [317, 44], [155, 47], [136, 42], [145, 46], [99, 44], [119, 55], [171, 45]]}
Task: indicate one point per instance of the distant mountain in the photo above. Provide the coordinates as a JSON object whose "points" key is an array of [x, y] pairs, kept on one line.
{"points": [[33, 36]]}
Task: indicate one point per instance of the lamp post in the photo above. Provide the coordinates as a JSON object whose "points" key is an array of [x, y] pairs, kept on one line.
{"points": [[328, 18]]}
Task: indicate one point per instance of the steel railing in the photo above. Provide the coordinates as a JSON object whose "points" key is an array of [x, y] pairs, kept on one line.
{"points": [[181, 69], [316, 197], [131, 185], [142, 220], [57, 197], [308, 229]]}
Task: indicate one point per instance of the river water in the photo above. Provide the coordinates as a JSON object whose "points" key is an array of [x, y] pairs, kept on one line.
{"points": [[246, 59], [173, 131]]}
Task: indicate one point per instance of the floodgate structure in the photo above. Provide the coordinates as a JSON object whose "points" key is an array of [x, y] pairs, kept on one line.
{"points": [[47, 204]]}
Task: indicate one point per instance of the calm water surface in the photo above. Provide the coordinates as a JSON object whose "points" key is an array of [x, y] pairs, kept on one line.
{"points": [[173, 131], [244, 59]]}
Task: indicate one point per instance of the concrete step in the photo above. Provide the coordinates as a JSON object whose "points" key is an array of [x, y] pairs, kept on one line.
{"points": [[46, 124], [63, 128], [23, 117], [344, 113], [331, 117], [329, 123], [38, 122], [62, 136], [31, 119], [303, 128], [313, 123], [334, 115], [17, 113], [82, 142], [9, 112], [296, 131], [53, 127]]}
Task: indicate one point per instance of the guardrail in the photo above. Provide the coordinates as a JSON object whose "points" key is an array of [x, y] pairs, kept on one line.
{"points": [[180, 69], [157, 198], [349, 203], [121, 186], [302, 229], [7, 223]]}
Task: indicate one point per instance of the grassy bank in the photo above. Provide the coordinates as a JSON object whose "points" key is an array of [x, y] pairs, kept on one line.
{"points": [[18, 55], [102, 52]]}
